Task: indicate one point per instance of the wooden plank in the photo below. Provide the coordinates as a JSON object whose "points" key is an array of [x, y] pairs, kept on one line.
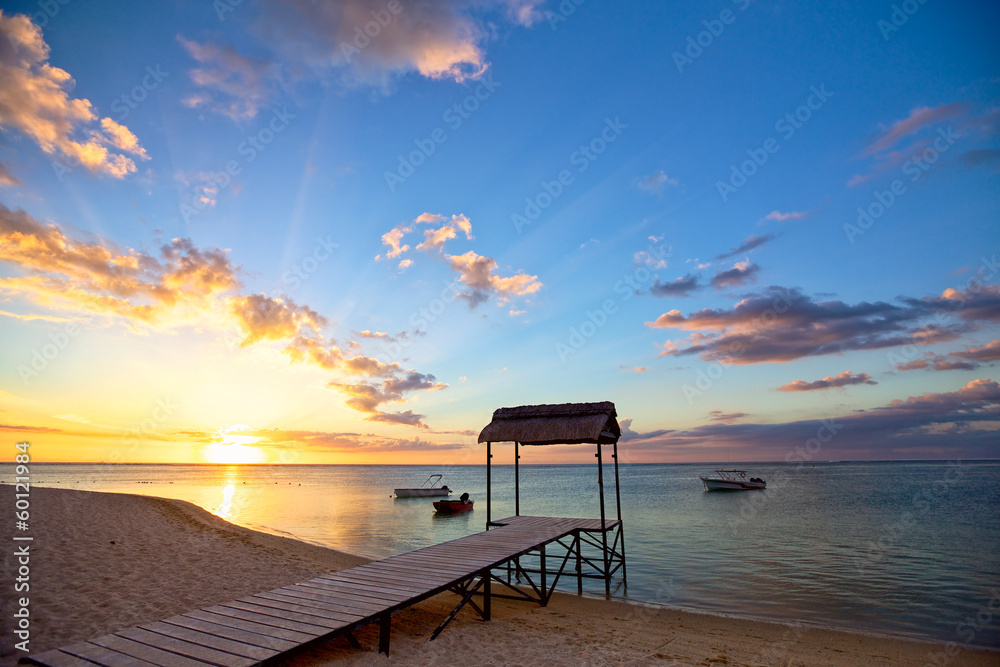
{"points": [[143, 652], [268, 610], [351, 603], [210, 640], [315, 608], [417, 572], [235, 634], [255, 616], [387, 594], [397, 582], [56, 658], [195, 651], [103, 656], [334, 588], [340, 607], [253, 626], [360, 582], [434, 564]]}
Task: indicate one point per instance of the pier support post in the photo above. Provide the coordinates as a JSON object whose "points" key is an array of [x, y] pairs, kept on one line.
{"points": [[384, 623]]}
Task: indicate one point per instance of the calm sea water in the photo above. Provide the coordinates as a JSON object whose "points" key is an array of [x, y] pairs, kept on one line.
{"points": [[907, 548]]}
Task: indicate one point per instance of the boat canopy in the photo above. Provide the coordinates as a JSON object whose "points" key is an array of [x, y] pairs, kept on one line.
{"points": [[559, 424]]}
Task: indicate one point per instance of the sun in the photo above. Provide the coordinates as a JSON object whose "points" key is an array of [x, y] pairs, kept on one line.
{"points": [[234, 448]]}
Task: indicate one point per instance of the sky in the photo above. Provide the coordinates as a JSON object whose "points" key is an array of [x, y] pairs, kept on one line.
{"points": [[318, 231]]}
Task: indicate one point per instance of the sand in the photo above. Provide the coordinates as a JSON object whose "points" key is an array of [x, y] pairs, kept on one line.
{"points": [[101, 562]]}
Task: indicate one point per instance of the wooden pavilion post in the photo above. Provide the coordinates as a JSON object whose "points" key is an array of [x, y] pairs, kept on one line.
{"points": [[621, 526], [604, 532], [517, 481], [489, 488]]}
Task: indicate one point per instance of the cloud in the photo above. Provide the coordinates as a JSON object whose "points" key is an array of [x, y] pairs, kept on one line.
{"points": [[230, 84], [741, 274], [975, 158], [965, 360], [656, 182], [477, 272], [785, 217], [35, 101], [7, 178], [368, 397], [629, 434], [653, 259], [842, 380], [919, 119], [188, 286], [988, 352], [749, 244], [726, 417], [780, 325], [682, 286], [960, 423], [525, 12], [438, 40], [634, 369], [336, 442]]}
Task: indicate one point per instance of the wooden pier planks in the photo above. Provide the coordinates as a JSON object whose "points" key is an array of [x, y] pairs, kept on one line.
{"points": [[260, 627]]}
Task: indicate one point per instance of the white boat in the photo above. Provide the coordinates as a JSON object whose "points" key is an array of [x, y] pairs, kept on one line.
{"points": [[426, 490], [732, 480]]}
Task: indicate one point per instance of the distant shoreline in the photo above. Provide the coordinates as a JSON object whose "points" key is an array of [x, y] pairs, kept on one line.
{"points": [[106, 561]]}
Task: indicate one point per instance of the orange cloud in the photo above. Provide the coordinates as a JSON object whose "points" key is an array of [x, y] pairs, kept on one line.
{"points": [[35, 101], [187, 285]]}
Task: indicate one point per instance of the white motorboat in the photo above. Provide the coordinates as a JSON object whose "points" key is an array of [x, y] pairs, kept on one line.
{"points": [[426, 490], [732, 480]]}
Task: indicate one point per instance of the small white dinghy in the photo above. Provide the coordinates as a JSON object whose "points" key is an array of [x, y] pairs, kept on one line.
{"points": [[426, 490], [732, 480]]}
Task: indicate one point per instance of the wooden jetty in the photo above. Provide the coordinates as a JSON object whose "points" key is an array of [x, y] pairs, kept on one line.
{"points": [[265, 627]]}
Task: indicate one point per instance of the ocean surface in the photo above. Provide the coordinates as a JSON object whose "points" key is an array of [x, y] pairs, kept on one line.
{"points": [[907, 548]]}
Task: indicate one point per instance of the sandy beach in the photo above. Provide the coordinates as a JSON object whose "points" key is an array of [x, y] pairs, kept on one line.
{"points": [[101, 562]]}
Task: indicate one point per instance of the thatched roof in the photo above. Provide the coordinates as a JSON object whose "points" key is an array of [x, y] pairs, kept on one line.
{"points": [[563, 424]]}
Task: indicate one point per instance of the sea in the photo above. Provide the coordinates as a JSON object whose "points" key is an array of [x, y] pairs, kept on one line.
{"points": [[903, 548]]}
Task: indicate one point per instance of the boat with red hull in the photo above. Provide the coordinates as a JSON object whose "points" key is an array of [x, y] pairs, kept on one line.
{"points": [[448, 506]]}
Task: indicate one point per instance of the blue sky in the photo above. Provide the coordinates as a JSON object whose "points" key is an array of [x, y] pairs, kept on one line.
{"points": [[648, 204]]}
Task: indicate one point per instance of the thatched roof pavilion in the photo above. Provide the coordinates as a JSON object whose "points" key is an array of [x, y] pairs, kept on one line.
{"points": [[563, 423]]}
